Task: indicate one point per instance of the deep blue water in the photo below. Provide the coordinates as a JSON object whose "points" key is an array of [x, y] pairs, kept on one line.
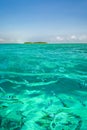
{"points": [[43, 87]]}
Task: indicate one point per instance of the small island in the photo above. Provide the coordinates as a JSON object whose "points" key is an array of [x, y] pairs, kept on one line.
{"points": [[35, 42]]}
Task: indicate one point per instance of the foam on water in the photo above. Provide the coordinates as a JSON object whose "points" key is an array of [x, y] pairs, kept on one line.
{"points": [[43, 87]]}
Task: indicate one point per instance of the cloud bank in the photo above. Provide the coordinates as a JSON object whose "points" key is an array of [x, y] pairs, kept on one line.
{"points": [[52, 39], [71, 38]]}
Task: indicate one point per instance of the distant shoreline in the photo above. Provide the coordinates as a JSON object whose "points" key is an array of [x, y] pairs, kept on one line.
{"points": [[35, 42], [53, 43]]}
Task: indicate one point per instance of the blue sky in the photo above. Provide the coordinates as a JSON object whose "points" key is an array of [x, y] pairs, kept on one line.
{"points": [[43, 20]]}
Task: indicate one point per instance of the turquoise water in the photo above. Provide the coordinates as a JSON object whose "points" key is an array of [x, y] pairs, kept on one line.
{"points": [[43, 87]]}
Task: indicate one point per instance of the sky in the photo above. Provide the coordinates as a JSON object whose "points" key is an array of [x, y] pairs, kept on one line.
{"points": [[55, 21]]}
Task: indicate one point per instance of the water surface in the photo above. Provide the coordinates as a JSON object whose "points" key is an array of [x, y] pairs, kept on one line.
{"points": [[43, 87]]}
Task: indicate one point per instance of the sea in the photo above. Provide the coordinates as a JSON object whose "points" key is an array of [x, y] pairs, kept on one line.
{"points": [[43, 86]]}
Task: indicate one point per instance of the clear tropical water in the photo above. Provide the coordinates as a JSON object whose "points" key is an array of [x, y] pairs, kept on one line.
{"points": [[43, 87]]}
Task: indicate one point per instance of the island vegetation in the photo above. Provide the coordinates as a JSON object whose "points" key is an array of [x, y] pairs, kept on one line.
{"points": [[35, 42]]}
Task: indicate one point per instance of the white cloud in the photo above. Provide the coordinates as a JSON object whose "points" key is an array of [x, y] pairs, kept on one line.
{"points": [[83, 38], [59, 38], [19, 41], [73, 37], [2, 40], [5, 40]]}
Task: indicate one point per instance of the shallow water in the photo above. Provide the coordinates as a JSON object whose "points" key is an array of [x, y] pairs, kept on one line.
{"points": [[43, 87]]}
